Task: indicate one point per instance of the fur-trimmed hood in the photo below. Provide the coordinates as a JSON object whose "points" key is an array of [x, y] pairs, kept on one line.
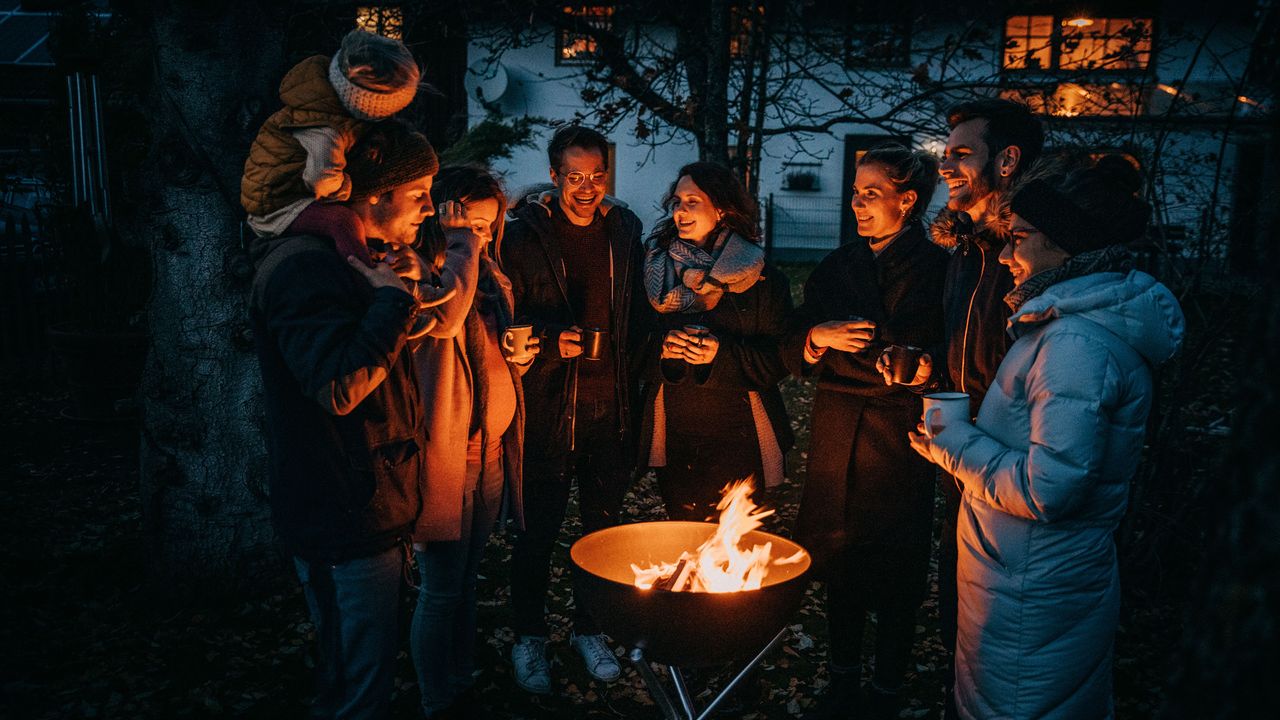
{"points": [[949, 230]]}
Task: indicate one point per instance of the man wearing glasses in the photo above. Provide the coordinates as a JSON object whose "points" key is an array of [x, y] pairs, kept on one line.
{"points": [[574, 263]]}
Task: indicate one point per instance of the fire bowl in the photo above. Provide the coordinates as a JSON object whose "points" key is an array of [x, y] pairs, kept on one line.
{"points": [[685, 629]]}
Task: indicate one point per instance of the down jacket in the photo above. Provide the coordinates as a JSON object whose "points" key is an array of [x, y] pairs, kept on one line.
{"points": [[1046, 471]]}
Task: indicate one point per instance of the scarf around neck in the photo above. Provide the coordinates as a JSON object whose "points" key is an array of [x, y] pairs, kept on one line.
{"points": [[683, 277], [1114, 258]]}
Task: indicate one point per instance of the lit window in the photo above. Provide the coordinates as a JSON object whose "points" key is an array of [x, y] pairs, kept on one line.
{"points": [[575, 48], [741, 26], [1071, 99], [384, 20], [1046, 42]]}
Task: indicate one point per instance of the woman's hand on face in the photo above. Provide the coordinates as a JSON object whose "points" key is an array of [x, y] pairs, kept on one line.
{"points": [[844, 335], [452, 214]]}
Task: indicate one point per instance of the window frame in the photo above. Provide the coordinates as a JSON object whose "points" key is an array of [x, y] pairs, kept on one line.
{"points": [[1056, 52], [563, 35]]}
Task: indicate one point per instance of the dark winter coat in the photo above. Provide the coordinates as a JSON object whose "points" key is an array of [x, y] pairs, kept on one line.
{"points": [[748, 326], [532, 259], [344, 422], [973, 301], [867, 493]]}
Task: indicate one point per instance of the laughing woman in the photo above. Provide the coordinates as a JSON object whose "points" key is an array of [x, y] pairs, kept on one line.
{"points": [[713, 412], [868, 499], [1046, 467]]}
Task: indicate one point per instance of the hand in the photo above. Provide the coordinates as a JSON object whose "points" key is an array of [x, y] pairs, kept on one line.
{"points": [[530, 351], [405, 261], [570, 342], [702, 349], [923, 370], [921, 442], [844, 335], [674, 345], [380, 275], [452, 214]]}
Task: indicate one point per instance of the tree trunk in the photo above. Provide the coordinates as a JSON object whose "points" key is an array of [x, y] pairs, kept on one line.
{"points": [[714, 109], [204, 488]]}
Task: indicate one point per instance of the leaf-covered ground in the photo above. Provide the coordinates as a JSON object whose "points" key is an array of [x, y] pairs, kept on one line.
{"points": [[84, 635]]}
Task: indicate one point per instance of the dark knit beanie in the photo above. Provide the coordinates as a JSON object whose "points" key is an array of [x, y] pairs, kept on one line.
{"points": [[390, 153], [1088, 209]]}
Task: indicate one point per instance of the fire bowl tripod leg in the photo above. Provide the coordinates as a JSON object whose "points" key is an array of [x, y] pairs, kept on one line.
{"points": [[651, 681]]}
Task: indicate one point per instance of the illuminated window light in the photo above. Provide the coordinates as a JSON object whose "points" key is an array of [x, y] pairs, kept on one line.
{"points": [[1171, 90], [1248, 101], [380, 19]]}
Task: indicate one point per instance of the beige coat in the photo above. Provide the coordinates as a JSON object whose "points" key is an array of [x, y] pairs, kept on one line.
{"points": [[444, 374]]}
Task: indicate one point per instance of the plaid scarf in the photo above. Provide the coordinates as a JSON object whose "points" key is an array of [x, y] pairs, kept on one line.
{"points": [[1113, 258], [683, 277]]}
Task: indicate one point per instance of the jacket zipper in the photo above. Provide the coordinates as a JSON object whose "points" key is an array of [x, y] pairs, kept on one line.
{"points": [[968, 318]]}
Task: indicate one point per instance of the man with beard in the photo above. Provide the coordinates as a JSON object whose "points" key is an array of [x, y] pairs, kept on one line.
{"points": [[992, 142], [574, 263]]}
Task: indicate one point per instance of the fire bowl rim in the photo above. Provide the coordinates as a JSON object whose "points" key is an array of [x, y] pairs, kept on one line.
{"points": [[802, 568]]}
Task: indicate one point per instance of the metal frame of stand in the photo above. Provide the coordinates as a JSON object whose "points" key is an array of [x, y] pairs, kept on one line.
{"points": [[683, 694]]}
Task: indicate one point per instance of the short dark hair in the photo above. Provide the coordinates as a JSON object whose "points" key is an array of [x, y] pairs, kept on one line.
{"points": [[1009, 123], [725, 191], [576, 136], [907, 169]]}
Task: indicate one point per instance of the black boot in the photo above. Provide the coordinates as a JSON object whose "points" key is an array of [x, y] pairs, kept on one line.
{"points": [[841, 700]]}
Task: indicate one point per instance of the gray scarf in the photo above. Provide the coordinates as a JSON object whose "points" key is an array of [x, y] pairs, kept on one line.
{"points": [[1113, 258], [683, 277]]}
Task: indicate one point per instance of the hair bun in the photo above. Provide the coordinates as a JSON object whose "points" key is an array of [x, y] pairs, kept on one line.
{"points": [[1119, 171]]}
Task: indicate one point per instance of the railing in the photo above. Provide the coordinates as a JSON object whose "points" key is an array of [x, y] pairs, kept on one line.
{"points": [[802, 227], [33, 292]]}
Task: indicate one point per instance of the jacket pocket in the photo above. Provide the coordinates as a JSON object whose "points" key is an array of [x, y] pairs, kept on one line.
{"points": [[1003, 539], [376, 470]]}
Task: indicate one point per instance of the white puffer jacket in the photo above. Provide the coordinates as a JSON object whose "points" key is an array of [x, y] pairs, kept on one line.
{"points": [[1046, 471]]}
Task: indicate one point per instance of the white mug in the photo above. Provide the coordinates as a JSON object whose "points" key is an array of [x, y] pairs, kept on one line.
{"points": [[944, 408], [515, 341]]}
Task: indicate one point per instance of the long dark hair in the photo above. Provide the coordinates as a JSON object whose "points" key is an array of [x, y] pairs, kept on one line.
{"points": [[464, 184], [725, 190]]}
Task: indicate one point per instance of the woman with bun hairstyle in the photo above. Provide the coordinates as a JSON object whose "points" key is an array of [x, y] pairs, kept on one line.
{"points": [[1046, 466], [868, 499]]}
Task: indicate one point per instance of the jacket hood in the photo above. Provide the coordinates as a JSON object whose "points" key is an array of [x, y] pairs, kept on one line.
{"points": [[1134, 307], [306, 87], [948, 230]]}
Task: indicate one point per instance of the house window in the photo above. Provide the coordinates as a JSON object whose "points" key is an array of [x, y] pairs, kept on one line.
{"points": [[1059, 42], [742, 29], [1075, 99], [385, 20], [577, 48]]}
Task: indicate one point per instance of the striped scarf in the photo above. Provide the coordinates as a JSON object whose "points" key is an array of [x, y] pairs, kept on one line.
{"points": [[1113, 258], [683, 277]]}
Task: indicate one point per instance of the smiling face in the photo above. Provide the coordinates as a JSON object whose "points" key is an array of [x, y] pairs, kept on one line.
{"points": [[880, 209], [693, 212], [1029, 251], [580, 201], [967, 167], [394, 216]]}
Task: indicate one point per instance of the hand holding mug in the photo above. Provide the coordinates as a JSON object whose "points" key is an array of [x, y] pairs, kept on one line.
{"points": [[852, 335], [570, 342], [904, 365], [674, 345], [519, 345], [702, 348]]}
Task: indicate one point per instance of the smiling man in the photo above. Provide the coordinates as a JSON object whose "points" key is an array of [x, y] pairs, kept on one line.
{"points": [[574, 263], [992, 142]]}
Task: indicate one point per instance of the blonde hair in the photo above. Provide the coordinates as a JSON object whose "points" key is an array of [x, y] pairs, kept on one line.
{"points": [[377, 63]]}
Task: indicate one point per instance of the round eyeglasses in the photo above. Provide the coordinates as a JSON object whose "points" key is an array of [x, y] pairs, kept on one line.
{"points": [[576, 178]]}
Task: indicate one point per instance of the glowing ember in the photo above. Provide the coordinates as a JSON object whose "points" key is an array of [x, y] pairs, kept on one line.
{"points": [[719, 564]]}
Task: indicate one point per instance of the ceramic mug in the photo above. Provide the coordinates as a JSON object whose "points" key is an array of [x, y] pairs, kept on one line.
{"points": [[944, 408], [515, 342]]}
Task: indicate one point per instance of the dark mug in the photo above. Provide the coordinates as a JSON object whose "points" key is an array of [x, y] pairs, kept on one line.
{"points": [[594, 342], [903, 362]]}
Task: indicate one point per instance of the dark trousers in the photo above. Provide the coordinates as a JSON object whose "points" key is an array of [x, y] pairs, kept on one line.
{"points": [[603, 469], [847, 609], [947, 600], [698, 468]]}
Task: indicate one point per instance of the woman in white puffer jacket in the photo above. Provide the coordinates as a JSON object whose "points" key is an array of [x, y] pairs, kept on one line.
{"points": [[1046, 467]]}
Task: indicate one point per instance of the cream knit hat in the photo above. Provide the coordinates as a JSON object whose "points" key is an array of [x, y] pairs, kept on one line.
{"points": [[367, 104]]}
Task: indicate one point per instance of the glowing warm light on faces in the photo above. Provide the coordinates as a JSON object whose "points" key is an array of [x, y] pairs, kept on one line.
{"points": [[966, 166], [394, 216], [880, 209], [1029, 251], [693, 212], [580, 202], [481, 215]]}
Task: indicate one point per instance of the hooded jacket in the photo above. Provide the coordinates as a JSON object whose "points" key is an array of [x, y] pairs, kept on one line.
{"points": [[1045, 473], [974, 312], [532, 259], [273, 171]]}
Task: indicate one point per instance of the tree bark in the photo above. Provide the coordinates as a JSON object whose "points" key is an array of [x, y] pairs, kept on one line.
{"points": [[204, 487], [714, 143]]}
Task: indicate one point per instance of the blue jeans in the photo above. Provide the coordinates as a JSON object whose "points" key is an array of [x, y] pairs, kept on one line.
{"points": [[443, 634], [353, 605]]}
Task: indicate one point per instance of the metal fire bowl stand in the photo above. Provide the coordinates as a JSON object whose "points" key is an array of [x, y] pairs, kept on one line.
{"points": [[684, 629]]}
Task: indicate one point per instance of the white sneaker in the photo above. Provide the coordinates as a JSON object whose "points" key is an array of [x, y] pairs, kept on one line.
{"points": [[600, 660], [529, 660]]}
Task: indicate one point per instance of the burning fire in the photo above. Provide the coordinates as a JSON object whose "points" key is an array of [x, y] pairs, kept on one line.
{"points": [[719, 565]]}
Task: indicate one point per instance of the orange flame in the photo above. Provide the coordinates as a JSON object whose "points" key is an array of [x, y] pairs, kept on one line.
{"points": [[719, 565]]}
